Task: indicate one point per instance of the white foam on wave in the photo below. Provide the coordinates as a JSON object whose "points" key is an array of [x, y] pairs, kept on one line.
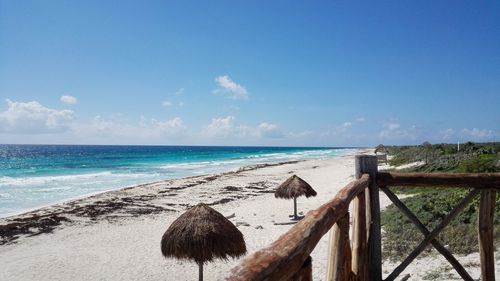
{"points": [[41, 180], [34, 192], [185, 166]]}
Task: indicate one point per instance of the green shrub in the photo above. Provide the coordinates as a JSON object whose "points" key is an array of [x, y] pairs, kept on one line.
{"points": [[486, 163], [431, 207]]}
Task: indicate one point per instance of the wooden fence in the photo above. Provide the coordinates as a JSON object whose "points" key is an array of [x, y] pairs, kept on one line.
{"points": [[288, 258]]}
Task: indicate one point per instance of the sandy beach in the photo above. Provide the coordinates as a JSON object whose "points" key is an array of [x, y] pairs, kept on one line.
{"points": [[116, 235]]}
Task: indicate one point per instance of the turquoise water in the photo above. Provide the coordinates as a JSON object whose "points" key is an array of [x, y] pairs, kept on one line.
{"points": [[32, 176]]}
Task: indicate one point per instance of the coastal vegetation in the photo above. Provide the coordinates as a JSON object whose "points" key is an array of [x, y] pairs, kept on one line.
{"points": [[431, 205]]}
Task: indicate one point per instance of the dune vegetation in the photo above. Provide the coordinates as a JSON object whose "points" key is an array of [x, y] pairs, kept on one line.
{"points": [[431, 205]]}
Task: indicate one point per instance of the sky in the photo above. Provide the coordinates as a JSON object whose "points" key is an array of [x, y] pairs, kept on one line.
{"points": [[272, 73]]}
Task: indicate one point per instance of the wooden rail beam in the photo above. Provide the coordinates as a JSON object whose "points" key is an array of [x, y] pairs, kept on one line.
{"points": [[482, 181], [283, 258], [305, 272]]}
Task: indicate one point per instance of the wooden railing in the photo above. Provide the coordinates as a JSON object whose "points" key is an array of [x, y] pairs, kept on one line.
{"points": [[288, 258], [483, 184], [283, 259]]}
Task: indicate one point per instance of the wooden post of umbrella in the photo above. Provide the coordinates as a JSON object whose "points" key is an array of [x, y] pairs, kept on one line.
{"points": [[295, 217], [202, 234], [294, 187]]}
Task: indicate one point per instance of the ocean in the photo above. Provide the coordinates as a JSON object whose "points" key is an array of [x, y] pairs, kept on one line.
{"points": [[32, 176]]}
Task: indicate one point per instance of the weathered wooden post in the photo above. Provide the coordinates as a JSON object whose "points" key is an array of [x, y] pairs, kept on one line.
{"points": [[339, 260], [359, 253], [486, 253], [368, 164]]}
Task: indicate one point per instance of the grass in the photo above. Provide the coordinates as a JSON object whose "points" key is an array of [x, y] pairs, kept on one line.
{"points": [[440, 274], [434, 274]]}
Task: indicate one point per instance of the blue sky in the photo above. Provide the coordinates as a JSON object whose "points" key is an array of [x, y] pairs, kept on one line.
{"points": [[314, 73]]}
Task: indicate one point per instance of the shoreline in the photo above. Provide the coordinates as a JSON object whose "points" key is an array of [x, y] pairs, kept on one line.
{"points": [[117, 184], [97, 193], [48, 217]]}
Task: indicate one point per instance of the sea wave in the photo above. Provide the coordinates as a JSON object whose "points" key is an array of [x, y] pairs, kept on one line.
{"points": [[38, 180], [29, 191]]}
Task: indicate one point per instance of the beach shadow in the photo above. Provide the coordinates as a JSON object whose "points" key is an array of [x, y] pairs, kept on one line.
{"points": [[298, 217], [285, 223], [292, 221]]}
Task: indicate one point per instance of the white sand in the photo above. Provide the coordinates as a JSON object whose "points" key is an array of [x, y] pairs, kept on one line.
{"points": [[401, 167], [122, 246]]}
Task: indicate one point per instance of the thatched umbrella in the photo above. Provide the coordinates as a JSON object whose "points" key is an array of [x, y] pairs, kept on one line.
{"points": [[380, 148], [202, 234], [294, 187]]}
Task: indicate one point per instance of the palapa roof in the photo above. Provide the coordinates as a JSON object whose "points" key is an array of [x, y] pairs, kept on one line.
{"points": [[426, 144], [202, 234], [380, 148], [294, 187]]}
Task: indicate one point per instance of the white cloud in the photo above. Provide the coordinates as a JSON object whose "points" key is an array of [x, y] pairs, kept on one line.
{"points": [[228, 128], [477, 134], [447, 134], [393, 132], [266, 126], [230, 88], [338, 130], [102, 125], [391, 126], [361, 119], [268, 130], [117, 128], [179, 92], [69, 100], [167, 103], [347, 125], [302, 134], [224, 127], [34, 118], [168, 126]]}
